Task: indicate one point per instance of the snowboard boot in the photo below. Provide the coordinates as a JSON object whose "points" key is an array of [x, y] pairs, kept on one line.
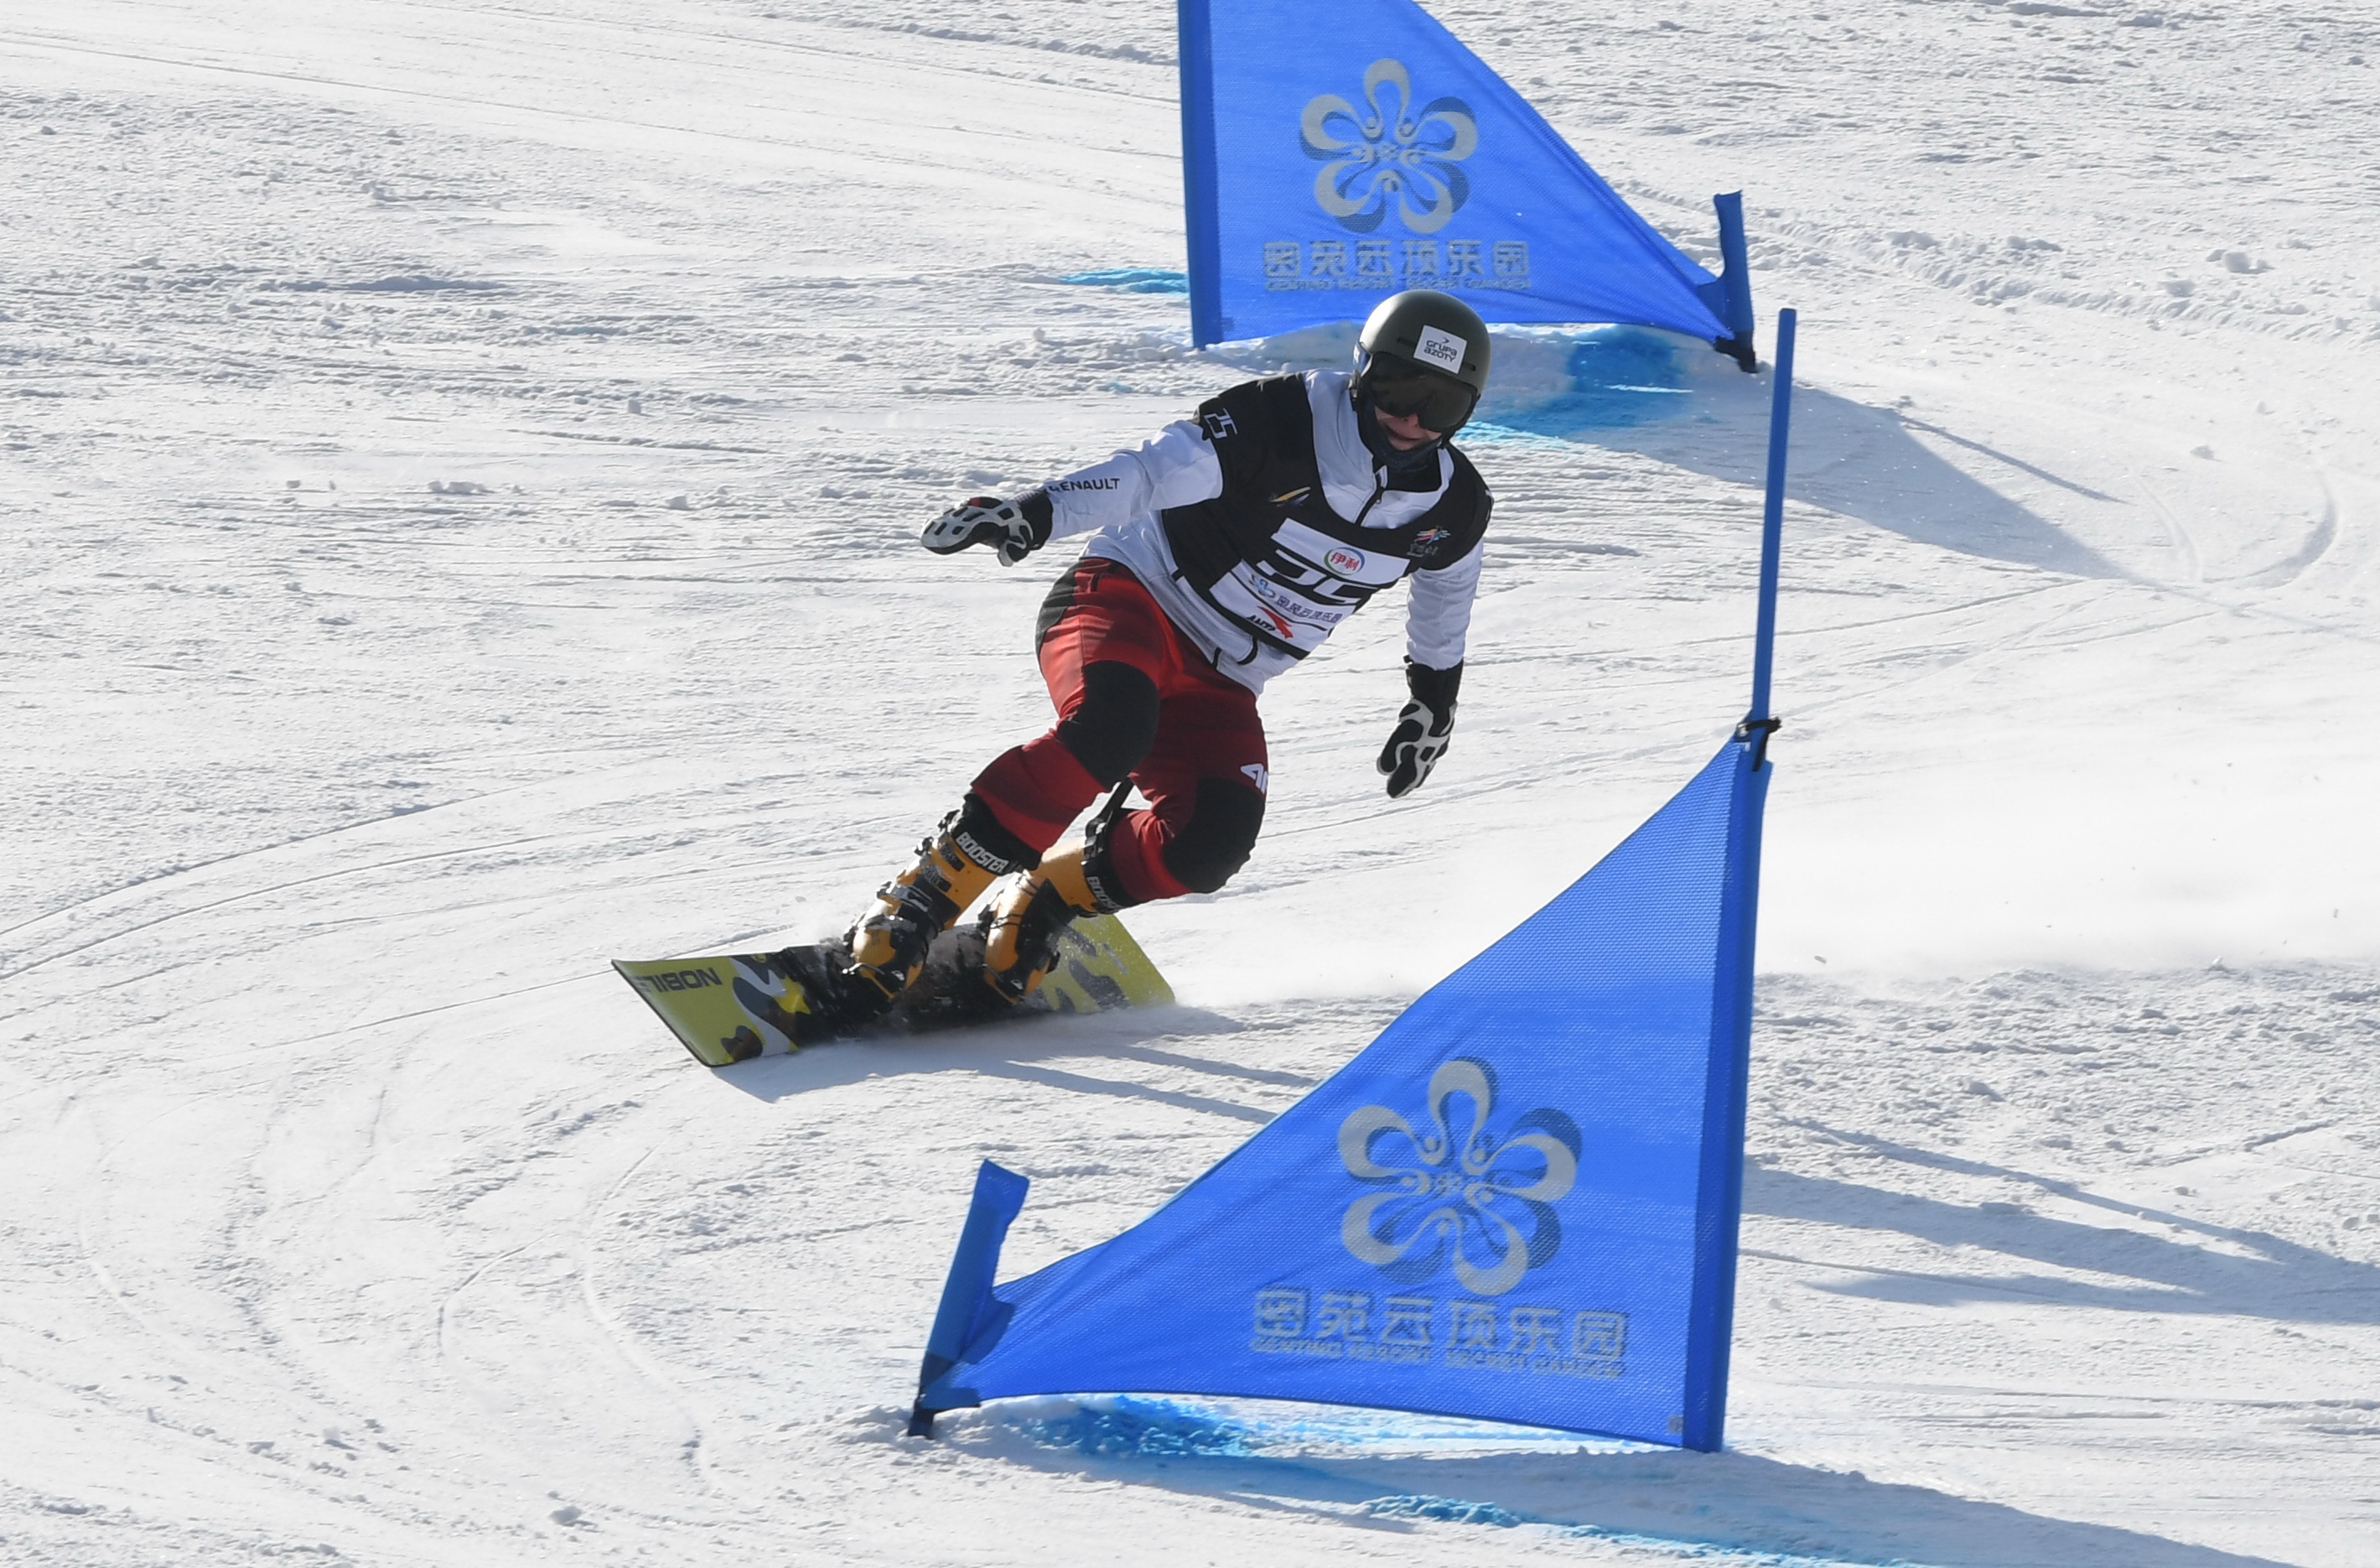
{"points": [[1021, 927], [888, 943]]}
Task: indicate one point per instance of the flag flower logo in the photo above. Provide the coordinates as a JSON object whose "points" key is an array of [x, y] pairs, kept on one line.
{"points": [[1479, 1202], [1389, 154]]}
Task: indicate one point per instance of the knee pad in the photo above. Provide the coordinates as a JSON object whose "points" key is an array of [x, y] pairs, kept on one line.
{"points": [[1115, 725], [1217, 840]]}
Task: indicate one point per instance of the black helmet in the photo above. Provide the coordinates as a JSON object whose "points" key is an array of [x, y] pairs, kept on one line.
{"points": [[1424, 353]]}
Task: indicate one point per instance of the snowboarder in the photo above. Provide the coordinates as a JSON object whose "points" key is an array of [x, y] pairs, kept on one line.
{"points": [[1222, 553]]}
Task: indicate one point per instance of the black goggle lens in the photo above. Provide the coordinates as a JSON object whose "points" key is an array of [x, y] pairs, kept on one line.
{"points": [[1442, 404]]}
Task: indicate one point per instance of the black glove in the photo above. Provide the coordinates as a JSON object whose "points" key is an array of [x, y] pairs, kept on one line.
{"points": [[1423, 728], [1018, 528]]}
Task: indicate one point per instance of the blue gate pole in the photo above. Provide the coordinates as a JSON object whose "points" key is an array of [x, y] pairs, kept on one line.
{"points": [[1735, 282], [1720, 1200], [1772, 521], [1201, 214], [999, 1195]]}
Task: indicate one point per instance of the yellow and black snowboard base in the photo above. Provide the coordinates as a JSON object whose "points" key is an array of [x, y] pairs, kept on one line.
{"points": [[732, 1007]]}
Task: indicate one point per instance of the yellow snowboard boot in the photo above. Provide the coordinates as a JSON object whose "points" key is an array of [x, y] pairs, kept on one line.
{"points": [[888, 943], [1022, 927]]}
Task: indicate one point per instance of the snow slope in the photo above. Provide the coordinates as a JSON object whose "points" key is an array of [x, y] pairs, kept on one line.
{"points": [[462, 468]]}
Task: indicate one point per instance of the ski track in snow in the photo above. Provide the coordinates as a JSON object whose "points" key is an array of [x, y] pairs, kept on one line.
{"points": [[464, 463]]}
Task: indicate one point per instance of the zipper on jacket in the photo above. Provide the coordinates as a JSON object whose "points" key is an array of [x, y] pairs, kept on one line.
{"points": [[1379, 488]]}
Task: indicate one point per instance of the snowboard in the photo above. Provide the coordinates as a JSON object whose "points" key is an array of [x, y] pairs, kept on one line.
{"points": [[734, 1007]]}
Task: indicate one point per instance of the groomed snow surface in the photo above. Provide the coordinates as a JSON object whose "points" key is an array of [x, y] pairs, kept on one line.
{"points": [[462, 463]]}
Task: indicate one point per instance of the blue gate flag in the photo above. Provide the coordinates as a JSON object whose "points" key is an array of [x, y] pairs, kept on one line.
{"points": [[1518, 1203], [1337, 150]]}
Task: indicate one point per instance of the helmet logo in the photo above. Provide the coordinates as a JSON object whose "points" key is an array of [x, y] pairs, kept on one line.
{"points": [[1441, 348], [1389, 153]]}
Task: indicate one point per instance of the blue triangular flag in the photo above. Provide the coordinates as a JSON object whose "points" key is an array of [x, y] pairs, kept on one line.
{"points": [[1518, 1203], [1337, 150]]}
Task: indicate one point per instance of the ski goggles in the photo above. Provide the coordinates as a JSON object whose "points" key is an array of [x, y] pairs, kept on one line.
{"points": [[1399, 387]]}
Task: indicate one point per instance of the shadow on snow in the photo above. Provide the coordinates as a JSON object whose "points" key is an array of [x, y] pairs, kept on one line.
{"points": [[2256, 1275], [1302, 1458], [1019, 1051], [1632, 389]]}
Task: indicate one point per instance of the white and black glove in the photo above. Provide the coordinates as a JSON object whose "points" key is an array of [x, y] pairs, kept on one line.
{"points": [[1016, 527], [1424, 727]]}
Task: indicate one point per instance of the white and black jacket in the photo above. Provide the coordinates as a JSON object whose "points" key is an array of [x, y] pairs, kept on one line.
{"points": [[1265, 522]]}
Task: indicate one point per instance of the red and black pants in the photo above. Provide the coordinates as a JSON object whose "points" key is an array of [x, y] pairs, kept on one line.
{"points": [[1135, 699]]}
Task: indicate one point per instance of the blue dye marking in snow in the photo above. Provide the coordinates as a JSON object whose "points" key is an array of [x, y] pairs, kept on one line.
{"points": [[1454, 1510], [1129, 1426], [1126, 1429], [1619, 377], [1134, 280], [1735, 1556]]}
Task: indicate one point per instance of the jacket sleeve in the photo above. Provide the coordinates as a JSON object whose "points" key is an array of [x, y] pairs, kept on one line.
{"points": [[1175, 470], [1437, 611]]}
